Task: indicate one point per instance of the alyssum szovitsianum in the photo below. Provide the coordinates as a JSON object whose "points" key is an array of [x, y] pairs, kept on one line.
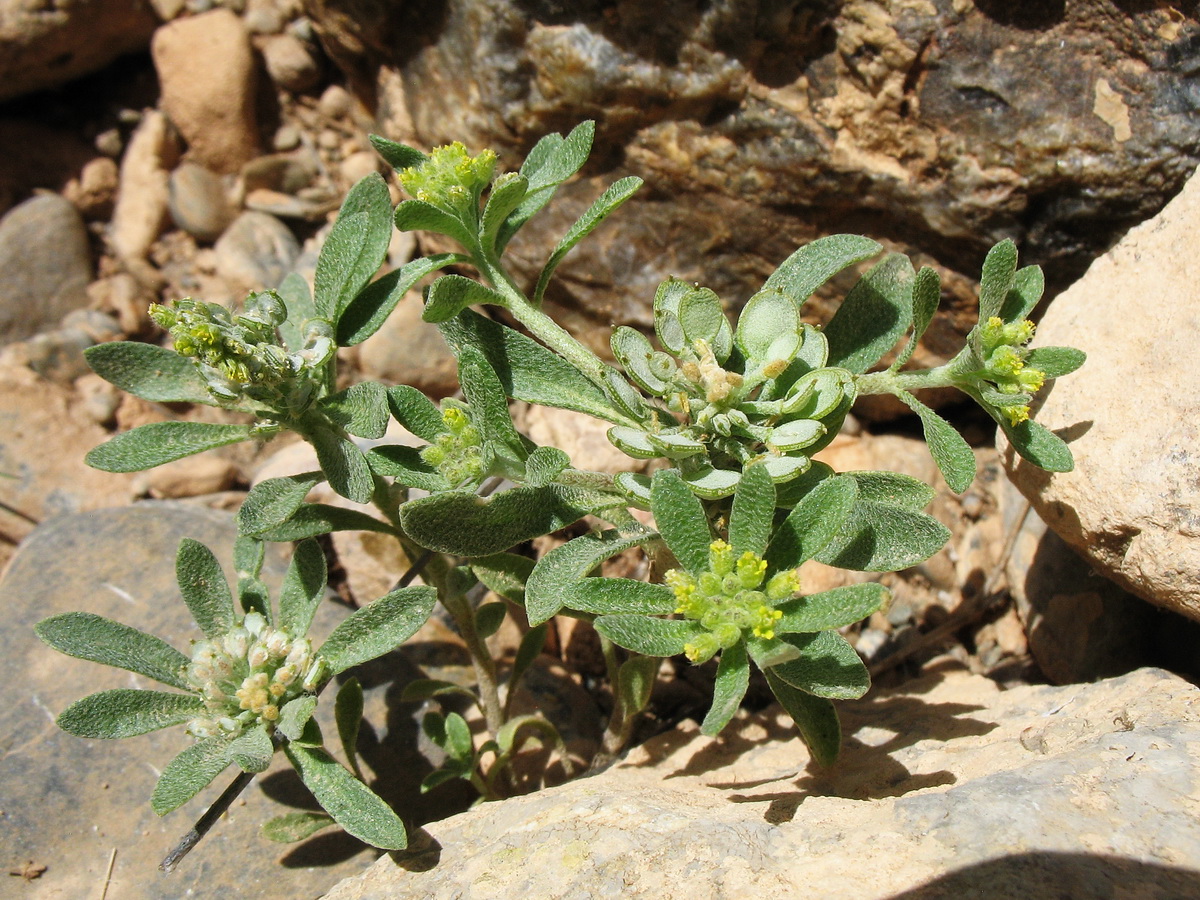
{"points": [[731, 411]]}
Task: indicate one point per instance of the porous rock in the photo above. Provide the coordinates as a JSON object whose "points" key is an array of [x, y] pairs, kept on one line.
{"points": [[1132, 504], [951, 787]]}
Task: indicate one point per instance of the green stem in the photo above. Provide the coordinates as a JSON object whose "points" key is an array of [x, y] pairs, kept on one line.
{"points": [[888, 382], [485, 668], [620, 723]]}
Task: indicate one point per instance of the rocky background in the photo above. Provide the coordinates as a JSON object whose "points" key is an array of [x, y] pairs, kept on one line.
{"points": [[151, 151]]}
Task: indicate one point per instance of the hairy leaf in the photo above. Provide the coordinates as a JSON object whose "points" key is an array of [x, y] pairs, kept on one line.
{"points": [[605, 596], [153, 445], [1039, 445], [750, 520], [451, 294], [297, 826], [251, 751], [148, 371], [416, 412], [272, 502], [926, 295], [874, 315], [681, 520], [295, 716], [313, 519], [557, 571], [352, 804], [815, 717], [125, 712], [204, 588], [398, 156], [361, 409], [355, 248], [378, 628], [830, 609], [343, 464], [1056, 361], [813, 522], [371, 306], [815, 263], [189, 773], [827, 667], [94, 638], [733, 678], [999, 267], [953, 455], [647, 635], [302, 589]]}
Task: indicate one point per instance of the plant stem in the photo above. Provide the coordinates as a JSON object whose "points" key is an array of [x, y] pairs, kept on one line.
{"points": [[887, 382], [620, 722]]}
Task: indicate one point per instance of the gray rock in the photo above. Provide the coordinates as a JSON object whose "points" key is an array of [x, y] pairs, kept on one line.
{"points": [[47, 265], [291, 63], [198, 201], [255, 252], [951, 787]]}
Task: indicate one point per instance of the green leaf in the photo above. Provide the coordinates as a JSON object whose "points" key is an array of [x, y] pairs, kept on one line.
{"points": [[248, 556], [251, 751], [489, 408], [894, 488], [489, 617], [295, 716], [417, 215], [126, 712], [552, 161], [815, 263], [527, 651], [874, 315], [464, 524], [753, 512], [148, 371], [830, 609], [813, 522], [1039, 445], [314, 519], [373, 304], [505, 196], [297, 826], [153, 445], [681, 520], [302, 589], [297, 300], [926, 295], [733, 678], [378, 628], [458, 741], [356, 247], [768, 316], [352, 804], [343, 464], [398, 156], [204, 588], [616, 194], [999, 267], [189, 773], [272, 502], [94, 638], [406, 466], [1027, 287], [557, 571], [361, 409], [633, 351], [953, 455], [451, 294], [347, 714], [420, 689], [606, 596], [828, 667], [528, 370], [880, 537], [635, 682], [1055, 361], [544, 465], [815, 717], [416, 412], [646, 635]]}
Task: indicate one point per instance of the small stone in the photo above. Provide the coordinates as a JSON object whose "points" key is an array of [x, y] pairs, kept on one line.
{"points": [[329, 140], [262, 17], [358, 166], [110, 143], [98, 327], [98, 399], [126, 298], [285, 206], [192, 476], [198, 202], [255, 252], [408, 350], [96, 189], [169, 9], [286, 138], [58, 355], [336, 102], [45, 265], [141, 207], [286, 173], [291, 63]]}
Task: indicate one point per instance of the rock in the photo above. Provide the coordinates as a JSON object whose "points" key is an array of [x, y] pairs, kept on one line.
{"points": [[263, 17], [759, 127], [336, 102], [1132, 504], [255, 252], [359, 165], [46, 45], [286, 173], [142, 197], [95, 190], [46, 262], [407, 350], [126, 298], [291, 63], [58, 354], [69, 802], [287, 137], [192, 476], [205, 69], [198, 202], [583, 438], [956, 788]]}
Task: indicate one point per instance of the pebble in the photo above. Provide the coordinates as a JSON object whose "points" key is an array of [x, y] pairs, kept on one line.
{"points": [[358, 166], [255, 252], [98, 400], [329, 140], [142, 201], [192, 476], [291, 63], [336, 102], [110, 142], [198, 202], [46, 264], [124, 297], [286, 138], [262, 17], [95, 191], [286, 173]]}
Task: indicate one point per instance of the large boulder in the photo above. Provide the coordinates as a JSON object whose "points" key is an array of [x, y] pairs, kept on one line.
{"points": [[1131, 419]]}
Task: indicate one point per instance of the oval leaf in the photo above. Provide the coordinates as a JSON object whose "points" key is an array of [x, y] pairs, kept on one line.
{"points": [[91, 637], [557, 571], [149, 371], [646, 635], [352, 804], [189, 773], [828, 667], [378, 628], [204, 588], [126, 712], [153, 445], [830, 609]]}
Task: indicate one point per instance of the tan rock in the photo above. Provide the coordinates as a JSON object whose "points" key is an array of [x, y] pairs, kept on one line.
{"points": [[205, 69], [141, 207], [192, 476], [1132, 504], [584, 438]]}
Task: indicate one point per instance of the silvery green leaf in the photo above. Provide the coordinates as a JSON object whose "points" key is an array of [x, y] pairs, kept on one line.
{"points": [[603, 596], [814, 349], [248, 555], [373, 304], [624, 395], [251, 751], [506, 194], [347, 714], [785, 468], [953, 455], [999, 269], [712, 484], [94, 638], [669, 330], [416, 412], [700, 315], [681, 520], [272, 502], [378, 628], [647, 635], [489, 406], [417, 215], [1039, 445], [633, 351], [815, 717], [297, 300], [204, 588], [636, 488], [881, 537], [303, 588], [1027, 287], [451, 294], [817, 394], [398, 156], [633, 442], [1055, 361], [189, 773], [313, 519], [351, 803], [830, 609], [733, 677], [544, 465], [813, 522], [355, 248], [675, 446], [828, 667], [616, 194], [343, 464], [926, 295], [148, 371], [767, 316], [458, 742], [153, 445], [552, 161], [406, 466], [295, 715], [874, 316], [894, 488], [753, 511], [421, 689], [126, 712], [489, 617], [297, 826], [635, 682], [505, 574], [815, 263], [563, 566], [361, 409], [795, 435]]}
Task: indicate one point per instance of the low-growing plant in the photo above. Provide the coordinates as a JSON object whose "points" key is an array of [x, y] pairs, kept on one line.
{"points": [[730, 415]]}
